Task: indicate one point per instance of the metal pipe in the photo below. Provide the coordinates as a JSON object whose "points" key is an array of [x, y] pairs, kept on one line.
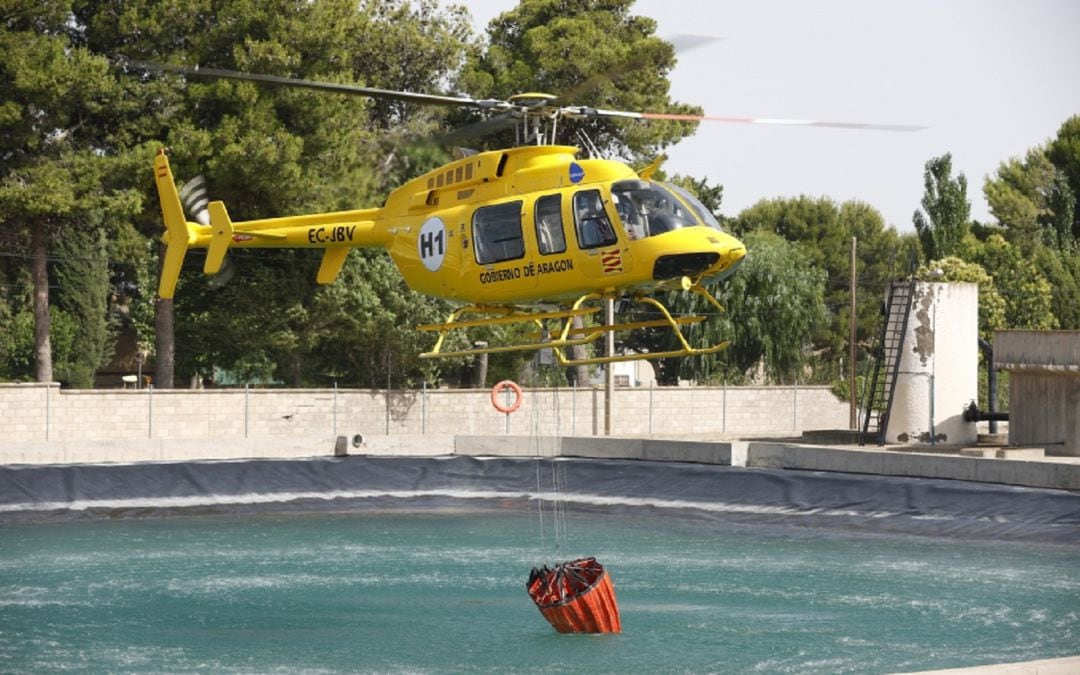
{"points": [[650, 404], [573, 409], [150, 412], [933, 372], [723, 424], [933, 432], [609, 368], [795, 406], [973, 414], [507, 402], [853, 421], [991, 385]]}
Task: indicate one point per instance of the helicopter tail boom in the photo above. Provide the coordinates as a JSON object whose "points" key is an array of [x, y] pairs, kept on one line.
{"points": [[335, 233]]}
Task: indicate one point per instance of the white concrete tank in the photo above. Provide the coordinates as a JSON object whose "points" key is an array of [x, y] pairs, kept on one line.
{"points": [[939, 367]]}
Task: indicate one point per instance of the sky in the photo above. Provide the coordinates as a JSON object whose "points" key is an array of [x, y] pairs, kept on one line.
{"points": [[989, 78]]}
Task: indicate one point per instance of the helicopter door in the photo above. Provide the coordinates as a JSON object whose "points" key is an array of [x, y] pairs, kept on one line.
{"points": [[499, 247], [605, 254]]}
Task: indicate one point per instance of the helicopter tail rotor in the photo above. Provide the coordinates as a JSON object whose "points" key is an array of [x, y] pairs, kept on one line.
{"points": [[193, 197], [196, 201]]}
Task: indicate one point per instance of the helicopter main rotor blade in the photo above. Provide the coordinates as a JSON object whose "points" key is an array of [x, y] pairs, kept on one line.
{"points": [[353, 89], [585, 112], [478, 129]]}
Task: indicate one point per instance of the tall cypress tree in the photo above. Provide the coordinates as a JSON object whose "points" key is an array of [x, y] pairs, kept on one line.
{"points": [[944, 220]]}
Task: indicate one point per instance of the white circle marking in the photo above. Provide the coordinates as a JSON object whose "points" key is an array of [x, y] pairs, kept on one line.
{"points": [[432, 243]]}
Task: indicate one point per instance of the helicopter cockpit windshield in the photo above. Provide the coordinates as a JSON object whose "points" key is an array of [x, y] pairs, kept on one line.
{"points": [[694, 203], [648, 209]]}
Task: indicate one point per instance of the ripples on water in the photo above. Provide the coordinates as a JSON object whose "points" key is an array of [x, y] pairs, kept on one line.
{"points": [[433, 592]]}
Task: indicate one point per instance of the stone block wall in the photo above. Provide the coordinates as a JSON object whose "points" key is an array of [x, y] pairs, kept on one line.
{"points": [[47, 413]]}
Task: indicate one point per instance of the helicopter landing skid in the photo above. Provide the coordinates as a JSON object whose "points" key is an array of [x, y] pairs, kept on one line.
{"points": [[568, 335]]}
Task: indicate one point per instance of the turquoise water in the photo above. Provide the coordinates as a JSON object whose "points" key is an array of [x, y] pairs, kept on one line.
{"points": [[414, 591]]}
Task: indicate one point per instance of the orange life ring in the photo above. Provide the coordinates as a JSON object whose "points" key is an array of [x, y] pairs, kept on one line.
{"points": [[498, 389]]}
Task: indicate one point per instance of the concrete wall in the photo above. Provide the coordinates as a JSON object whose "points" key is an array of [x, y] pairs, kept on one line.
{"points": [[1044, 386], [1027, 473], [1059, 349], [1037, 407], [938, 373], [701, 452], [47, 413], [187, 450], [762, 454]]}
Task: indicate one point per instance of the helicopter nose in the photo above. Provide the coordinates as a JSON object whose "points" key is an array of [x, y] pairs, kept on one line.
{"points": [[735, 255], [731, 259], [683, 265]]}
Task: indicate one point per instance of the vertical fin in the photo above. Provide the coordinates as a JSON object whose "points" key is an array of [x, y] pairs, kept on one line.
{"points": [[178, 234], [332, 261]]}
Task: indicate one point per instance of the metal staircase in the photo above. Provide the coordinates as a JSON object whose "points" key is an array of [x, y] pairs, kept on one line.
{"points": [[890, 347]]}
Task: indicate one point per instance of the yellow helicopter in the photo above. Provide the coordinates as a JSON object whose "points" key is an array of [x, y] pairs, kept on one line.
{"points": [[530, 234]]}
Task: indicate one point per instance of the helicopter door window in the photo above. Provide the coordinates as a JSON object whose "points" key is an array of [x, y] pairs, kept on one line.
{"points": [[549, 229], [593, 226], [497, 233]]}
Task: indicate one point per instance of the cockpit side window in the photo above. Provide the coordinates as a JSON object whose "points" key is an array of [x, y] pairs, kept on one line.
{"points": [[591, 221], [497, 233], [549, 225]]}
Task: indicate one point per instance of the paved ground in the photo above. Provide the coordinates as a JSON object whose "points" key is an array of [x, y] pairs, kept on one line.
{"points": [[1066, 666]]}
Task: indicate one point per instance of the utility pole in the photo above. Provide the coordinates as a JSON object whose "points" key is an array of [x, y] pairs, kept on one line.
{"points": [[853, 421], [609, 372]]}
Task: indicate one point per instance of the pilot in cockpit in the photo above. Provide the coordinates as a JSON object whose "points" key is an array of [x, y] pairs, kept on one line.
{"points": [[631, 219]]}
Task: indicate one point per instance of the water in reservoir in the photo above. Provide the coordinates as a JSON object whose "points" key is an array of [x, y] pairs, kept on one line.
{"points": [[419, 590]]}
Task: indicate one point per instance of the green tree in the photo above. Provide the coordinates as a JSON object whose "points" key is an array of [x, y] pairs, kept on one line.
{"points": [[51, 88], [17, 362], [1032, 200], [592, 54], [270, 151], [1064, 152], [1062, 271], [1025, 290], [824, 231], [774, 304], [991, 304], [366, 324], [83, 279], [943, 222]]}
